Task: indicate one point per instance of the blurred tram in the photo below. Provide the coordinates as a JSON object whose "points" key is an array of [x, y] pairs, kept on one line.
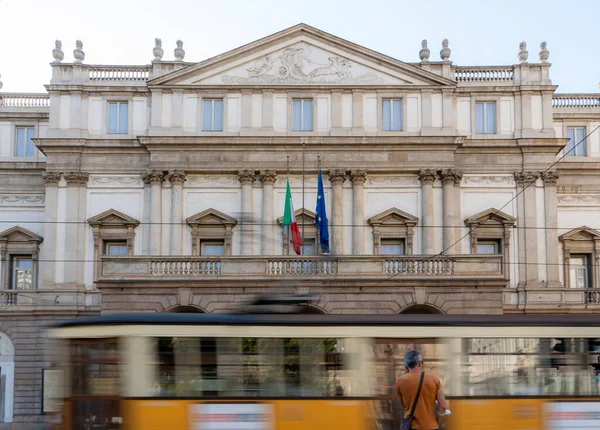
{"points": [[300, 371]]}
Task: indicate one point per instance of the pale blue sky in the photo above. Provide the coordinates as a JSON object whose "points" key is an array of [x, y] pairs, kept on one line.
{"points": [[481, 32]]}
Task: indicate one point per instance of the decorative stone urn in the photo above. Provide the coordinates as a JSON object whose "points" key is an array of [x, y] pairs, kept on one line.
{"points": [[57, 52], [523, 52], [544, 53], [78, 52], [179, 52], [424, 52], [158, 51], [445, 52]]}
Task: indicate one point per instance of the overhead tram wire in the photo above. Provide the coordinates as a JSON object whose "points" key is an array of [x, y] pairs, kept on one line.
{"points": [[442, 253]]}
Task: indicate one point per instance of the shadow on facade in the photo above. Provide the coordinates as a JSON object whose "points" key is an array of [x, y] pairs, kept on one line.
{"points": [[421, 309]]}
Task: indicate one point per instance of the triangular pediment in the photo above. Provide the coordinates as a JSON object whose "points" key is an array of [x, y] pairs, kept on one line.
{"points": [[211, 217], [301, 55], [112, 217], [393, 216], [308, 216], [581, 233], [19, 234], [491, 216]]}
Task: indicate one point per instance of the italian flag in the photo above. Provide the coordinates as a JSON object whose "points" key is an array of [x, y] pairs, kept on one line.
{"points": [[289, 219]]}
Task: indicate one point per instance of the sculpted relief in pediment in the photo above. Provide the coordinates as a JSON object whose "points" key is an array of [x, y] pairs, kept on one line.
{"points": [[302, 64]]}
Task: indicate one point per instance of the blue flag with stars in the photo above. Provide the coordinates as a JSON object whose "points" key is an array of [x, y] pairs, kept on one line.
{"points": [[321, 218]]}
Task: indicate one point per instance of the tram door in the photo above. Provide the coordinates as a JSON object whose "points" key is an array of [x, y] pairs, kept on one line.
{"points": [[389, 365], [94, 380]]}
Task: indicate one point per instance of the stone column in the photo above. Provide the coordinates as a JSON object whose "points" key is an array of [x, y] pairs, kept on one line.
{"points": [[337, 178], [427, 178], [267, 110], [358, 177], [526, 180], [246, 178], [449, 177], [177, 178], [357, 110], [75, 228], [246, 109], [48, 251], [550, 178], [155, 179], [268, 178], [522, 255]]}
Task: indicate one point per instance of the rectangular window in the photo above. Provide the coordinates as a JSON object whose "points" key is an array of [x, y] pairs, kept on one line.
{"points": [[309, 247], [580, 271], [576, 145], [392, 247], [115, 248], [302, 111], [392, 115], [212, 247], [485, 116], [118, 115], [25, 146], [489, 247], [22, 272], [212, 119]]}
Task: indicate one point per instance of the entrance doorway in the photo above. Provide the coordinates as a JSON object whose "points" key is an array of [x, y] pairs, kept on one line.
{"points": [[7, 377]]}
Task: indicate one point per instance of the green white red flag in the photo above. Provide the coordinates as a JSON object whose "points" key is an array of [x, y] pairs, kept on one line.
{"points": [[289, 219]]}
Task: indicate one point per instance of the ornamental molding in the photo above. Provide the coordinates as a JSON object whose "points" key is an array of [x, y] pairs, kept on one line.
{"points": [[488, 180], [392, 180], [116, 181], [579, 199], [22, 200], [213, 180]]}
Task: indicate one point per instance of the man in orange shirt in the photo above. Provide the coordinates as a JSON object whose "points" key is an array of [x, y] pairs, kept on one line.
{"points": [[407, 386]]}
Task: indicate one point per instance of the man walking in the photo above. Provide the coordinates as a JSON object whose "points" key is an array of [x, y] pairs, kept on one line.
{"points": [[407, 386]]}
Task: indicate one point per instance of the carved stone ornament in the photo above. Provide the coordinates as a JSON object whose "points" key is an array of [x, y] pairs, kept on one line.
{"points": [[523, 52], [579, 200], [427, 176], [78, 52], [550, 177], [158, 51], [337, 176], [13, 200], [526, 178], [445, 52], [268, 177], [57, 52], [488, 180], [153, 177], [51, 178], [179, 52], [451, 176], [78, 179], [119, 180], [544, 53], [176, 177], [424, 52], [246, 177], [358, 176]]}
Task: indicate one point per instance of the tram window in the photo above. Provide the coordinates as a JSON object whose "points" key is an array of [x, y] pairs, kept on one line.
{"points": [[94, 368], [250, 367], [531, 366]]}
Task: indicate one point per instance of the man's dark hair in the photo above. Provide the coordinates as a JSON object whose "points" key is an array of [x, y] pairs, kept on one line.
{"points": [[412, 358]]}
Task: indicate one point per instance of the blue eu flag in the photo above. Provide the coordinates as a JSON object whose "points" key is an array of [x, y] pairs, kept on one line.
{"points": [[321, 218]]}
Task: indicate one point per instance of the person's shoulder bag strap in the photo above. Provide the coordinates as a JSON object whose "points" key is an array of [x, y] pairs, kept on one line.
{"points": [[412, 411]]}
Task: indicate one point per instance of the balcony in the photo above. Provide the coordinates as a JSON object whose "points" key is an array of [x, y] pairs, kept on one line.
{"points": [[62, 299], [330, 269]]}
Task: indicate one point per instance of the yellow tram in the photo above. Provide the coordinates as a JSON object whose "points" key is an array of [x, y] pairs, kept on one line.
{"points": [[264, 371]]}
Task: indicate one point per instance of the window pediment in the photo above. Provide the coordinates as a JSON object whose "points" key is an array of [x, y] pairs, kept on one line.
{"points": [[18, 234], [308, 217], [490, 216], [211, 217], [112, 217], [583, 233], [393, 217]]}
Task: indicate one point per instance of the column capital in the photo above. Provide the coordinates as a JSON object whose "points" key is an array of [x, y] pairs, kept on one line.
{"points": [[550, 177], [176, 177], [526, 177], [453, 176], [427, 176], [358, 176], [51, 179], [337, 176], [268, 177], [153, 177], [246, 177], [77, 179]]}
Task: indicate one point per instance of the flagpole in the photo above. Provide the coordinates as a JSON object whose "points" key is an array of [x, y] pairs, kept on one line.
{"points": [[289, 227], [303, 145], [318, 172]]}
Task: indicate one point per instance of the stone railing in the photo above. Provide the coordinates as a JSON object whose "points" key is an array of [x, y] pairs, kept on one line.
{"points": [[484, 74], [592, 296], [24, 100], [345, 267], [116, 74], [8, 298], [576, 101]]}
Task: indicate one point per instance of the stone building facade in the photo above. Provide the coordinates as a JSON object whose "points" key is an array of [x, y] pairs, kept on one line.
{"points": [[161, 187]]}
